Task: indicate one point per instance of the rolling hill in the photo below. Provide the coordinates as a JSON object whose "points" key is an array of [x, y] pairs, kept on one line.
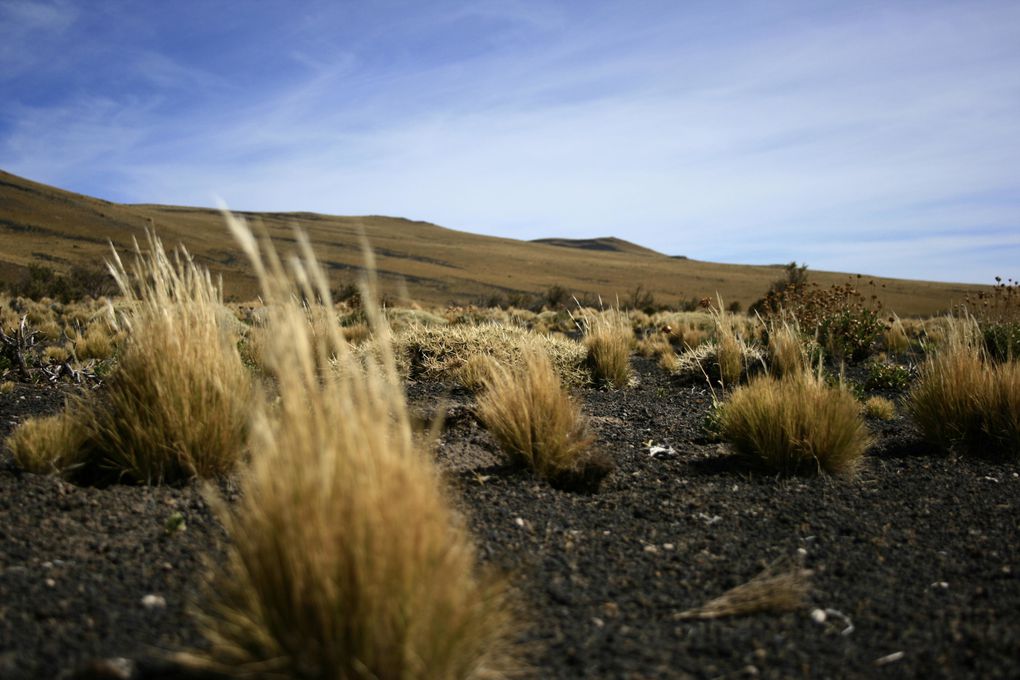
{"points": [[428, 263]]}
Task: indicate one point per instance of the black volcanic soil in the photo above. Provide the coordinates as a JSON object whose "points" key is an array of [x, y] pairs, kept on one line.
{"points": [[920, 553]]}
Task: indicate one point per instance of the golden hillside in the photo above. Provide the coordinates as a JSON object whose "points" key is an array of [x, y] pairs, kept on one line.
{"points": [[435, 265]]}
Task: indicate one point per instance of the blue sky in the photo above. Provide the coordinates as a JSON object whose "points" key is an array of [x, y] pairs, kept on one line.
{"points": [[874, 137]]}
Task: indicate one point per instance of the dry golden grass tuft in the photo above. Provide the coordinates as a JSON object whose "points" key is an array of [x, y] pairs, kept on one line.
{"points": [[177, 402], [345, 559], [97, 342], [176, 405], [608, 337], [7, 386], [55, 354], [895, 338], [787, 352], [963, 401], [538, 425], [51, 444], [796, 424], [880, 408], [703, 360], [439, 352], [779, 588]]}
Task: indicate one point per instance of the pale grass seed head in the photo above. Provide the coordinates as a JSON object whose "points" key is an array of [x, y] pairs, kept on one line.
{"points": [[346, 559]]}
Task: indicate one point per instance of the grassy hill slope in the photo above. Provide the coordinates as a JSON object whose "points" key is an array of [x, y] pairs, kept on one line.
{"points": [[435, 265]]}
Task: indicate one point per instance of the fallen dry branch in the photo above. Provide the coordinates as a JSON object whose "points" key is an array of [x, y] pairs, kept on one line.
{"points": [[781, 587]]}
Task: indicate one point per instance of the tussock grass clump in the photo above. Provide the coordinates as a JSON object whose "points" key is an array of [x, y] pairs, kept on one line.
{"points": [[696, 363], [963, 401], [895, 338], [96, 342], [608, 337], [440, 352], [787, 350], [345, 559], [538, 425], [880, 408], [51, 444], [796, 424], [176, 406]]}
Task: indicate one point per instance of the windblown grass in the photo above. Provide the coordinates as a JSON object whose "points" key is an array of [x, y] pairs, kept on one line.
{"points": [[176, 405], [796, 424], [345, 559], [608, 337], [964, 401], [537, 424]]}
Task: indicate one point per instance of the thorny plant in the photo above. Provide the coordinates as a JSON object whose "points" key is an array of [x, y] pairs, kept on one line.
{"points": [[846, 321]]}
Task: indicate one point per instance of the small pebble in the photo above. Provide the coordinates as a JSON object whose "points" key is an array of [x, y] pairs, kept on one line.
{"points": [[152, 601], [818, 615], [50, 583], [889, 658]]}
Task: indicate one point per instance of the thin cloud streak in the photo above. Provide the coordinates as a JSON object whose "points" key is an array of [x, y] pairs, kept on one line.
{"points": [[847, 139]]}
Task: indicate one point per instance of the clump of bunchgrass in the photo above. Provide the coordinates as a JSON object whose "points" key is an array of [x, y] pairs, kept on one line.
{"points": [[962, 400], [440, 352], [796, 424], [176, 405], [50, 444], [787, 349], [879, 408], [608, 337], [538, 425], [345, 558]]}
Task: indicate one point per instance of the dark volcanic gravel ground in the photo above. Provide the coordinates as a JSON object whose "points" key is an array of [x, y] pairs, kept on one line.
{"points": [[920, 553]]}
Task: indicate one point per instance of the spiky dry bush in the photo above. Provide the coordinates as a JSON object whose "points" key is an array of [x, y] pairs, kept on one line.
{"points": [[964, 401], [439, 353], [703, 360], [345, 559], [538, 425], [51, 444], [796, 424], [608, 337]]}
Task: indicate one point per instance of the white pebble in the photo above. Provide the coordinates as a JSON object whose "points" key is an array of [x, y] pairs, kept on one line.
{"points": [[151, 601], [818, 615]]}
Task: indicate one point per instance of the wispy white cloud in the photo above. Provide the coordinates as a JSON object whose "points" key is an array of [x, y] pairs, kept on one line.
{"points": [[875, 138]]}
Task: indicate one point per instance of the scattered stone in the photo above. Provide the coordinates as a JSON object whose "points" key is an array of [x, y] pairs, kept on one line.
{"points": [[889, 658], [152, 601]]}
